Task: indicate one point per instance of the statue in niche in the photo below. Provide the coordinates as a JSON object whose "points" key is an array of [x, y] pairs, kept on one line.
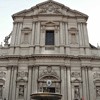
{"points": [[0, 90], [98, 90], [21, 91], [76, 92]]}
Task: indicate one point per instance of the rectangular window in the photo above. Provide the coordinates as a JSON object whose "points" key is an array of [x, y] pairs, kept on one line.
{"points": [[49, 37], [21, 91], [1, 90]]}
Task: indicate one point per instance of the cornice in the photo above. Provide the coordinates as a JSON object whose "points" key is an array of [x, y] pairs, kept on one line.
{"points": [[36, 56]]}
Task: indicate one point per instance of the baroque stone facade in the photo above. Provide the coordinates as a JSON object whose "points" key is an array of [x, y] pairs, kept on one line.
{"points": [[49, 52]]}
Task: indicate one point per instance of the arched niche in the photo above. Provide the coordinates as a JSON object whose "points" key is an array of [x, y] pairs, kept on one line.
{"points": [[49, 83]]}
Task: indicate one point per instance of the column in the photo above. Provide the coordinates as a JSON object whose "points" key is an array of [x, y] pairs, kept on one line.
{"points": [[37, 37], [7, 83], [69, 82], [84, 83], [61, 38], [91, 85], [63, 83], [34, 79], [14, 83], [29, 82]]}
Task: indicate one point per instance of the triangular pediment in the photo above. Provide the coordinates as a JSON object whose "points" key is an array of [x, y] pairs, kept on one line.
{"points": [[50, 7]]}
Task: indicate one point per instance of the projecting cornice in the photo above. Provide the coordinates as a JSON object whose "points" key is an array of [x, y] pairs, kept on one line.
{"points": [[59, 56]]}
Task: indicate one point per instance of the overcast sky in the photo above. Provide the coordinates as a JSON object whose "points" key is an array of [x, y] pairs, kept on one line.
{"points": [[89, 7]]}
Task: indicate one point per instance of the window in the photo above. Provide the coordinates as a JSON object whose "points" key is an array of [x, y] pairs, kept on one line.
{"points": [[49, 37], [21, 91], [1, 90]]}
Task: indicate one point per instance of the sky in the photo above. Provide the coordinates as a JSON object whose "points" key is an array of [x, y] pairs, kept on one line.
{"points": [[89, 7]]}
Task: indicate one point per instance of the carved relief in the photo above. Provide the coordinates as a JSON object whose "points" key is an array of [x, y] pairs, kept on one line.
{"points": [[21, 91], [22, 75], [50, 9], [98, 91], [76, 74], [76, 92], [96, 75]]}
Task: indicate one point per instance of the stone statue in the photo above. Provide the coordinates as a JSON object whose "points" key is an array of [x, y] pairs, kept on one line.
{"points": [[6, 39], [76, 93], [21, 91]]}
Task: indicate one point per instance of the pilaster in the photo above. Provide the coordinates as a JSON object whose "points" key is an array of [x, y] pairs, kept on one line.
{"points": [[13, 34], [29, 81], [69, 82], [34, 79], [85, 35], [19, 33], [91, 86], [7, 83], [61, 39], [14, 82], [37, 38], [84, 95], [63, 83]]}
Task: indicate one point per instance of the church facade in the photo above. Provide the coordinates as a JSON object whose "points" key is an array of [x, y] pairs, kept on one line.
{"points": [[49, 51]]}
